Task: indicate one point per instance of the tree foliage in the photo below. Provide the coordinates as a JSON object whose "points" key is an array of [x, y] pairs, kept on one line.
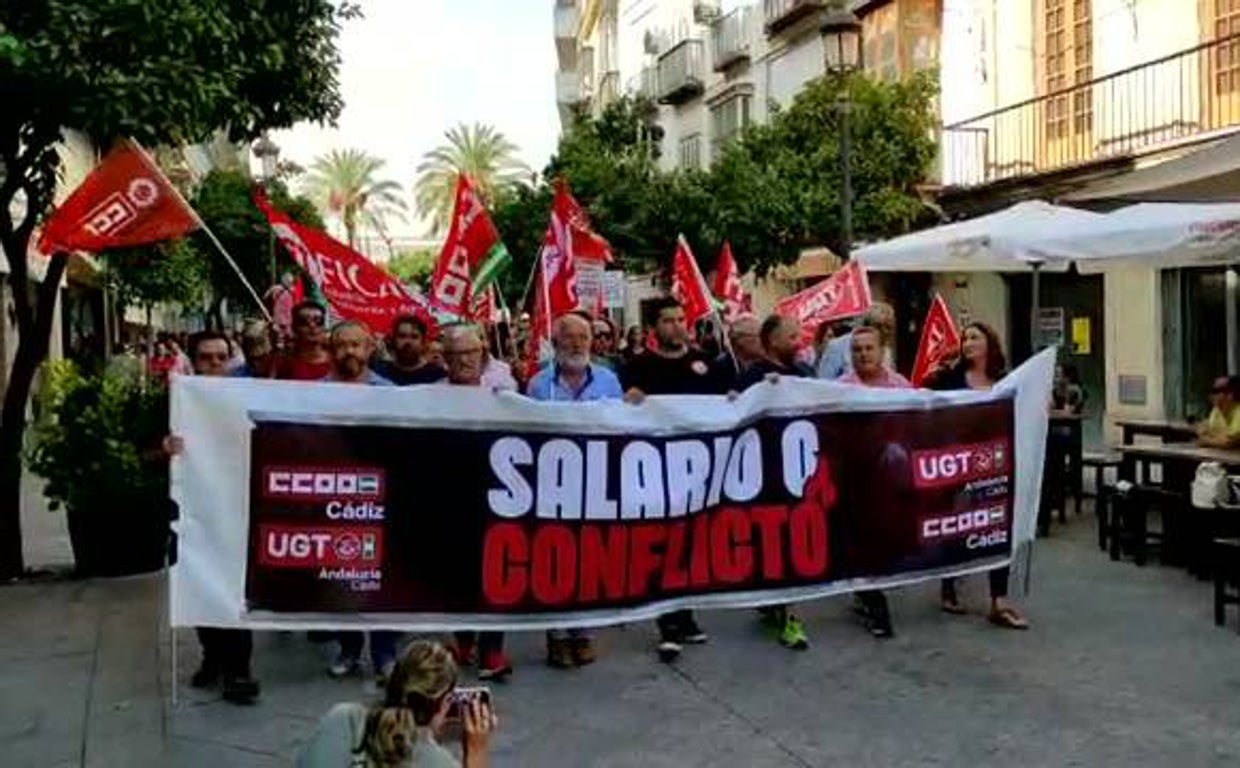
{"points": [[344, 183], [413, 265], [772, 193], [172, 271], [478, 150], [161, 71], [224, 201]]}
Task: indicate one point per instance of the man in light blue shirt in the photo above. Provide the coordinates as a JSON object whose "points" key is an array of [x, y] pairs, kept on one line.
{"points": [[572, 378], [836, 360]]}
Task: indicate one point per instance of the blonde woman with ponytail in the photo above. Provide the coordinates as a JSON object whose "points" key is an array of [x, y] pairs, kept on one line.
{"points": [[400, 731]]}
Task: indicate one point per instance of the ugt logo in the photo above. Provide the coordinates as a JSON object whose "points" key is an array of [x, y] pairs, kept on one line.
{"points": [[958, 464]]}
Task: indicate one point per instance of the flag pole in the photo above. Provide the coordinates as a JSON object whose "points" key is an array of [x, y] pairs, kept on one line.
{"points": [[240, 275], [210, 235]]}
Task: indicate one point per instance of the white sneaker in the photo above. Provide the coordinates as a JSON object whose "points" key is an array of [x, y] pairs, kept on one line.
{"points": [[669, 651], [343, 667]]}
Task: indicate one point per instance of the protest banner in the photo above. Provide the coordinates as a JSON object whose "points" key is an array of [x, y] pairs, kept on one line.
{"points": [[335, 506]]}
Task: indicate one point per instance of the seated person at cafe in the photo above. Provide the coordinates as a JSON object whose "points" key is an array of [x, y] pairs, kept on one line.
{"points": [[1221, 429]]}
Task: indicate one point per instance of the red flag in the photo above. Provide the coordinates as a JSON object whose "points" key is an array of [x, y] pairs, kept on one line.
{"points": [[844, 294], [939, 340], [355, 288], [584, 243], [472, 254], [538, 345], [125, 201], [485, 309], [559, 268], [688, 285], [727, 284]]}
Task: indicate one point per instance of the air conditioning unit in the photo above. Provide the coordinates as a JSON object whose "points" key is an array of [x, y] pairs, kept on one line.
{"points": [[706, 12]]}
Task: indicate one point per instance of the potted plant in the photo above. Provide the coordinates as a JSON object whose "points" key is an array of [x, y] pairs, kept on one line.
{"points": [[97, 442]]}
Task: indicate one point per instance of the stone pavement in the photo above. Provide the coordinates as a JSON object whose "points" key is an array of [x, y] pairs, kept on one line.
{"points": [[1123, 667]]}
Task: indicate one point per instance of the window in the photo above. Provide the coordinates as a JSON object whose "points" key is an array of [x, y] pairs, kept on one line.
{"points": [[1226, 57], [728, 120], [1068, 42], [691, 152]]}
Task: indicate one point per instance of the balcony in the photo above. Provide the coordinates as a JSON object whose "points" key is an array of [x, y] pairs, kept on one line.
{"points": [[608, 87], [567, 21], [1177, 100], [645, 84], [680, 76], [570, 88], [731, 44], [782, 14]]}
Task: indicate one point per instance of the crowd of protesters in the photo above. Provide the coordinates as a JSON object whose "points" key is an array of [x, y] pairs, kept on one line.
{"points": [[591, 362]]}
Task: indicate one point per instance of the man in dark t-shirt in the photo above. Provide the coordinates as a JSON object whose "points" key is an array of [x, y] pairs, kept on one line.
{"points": [[781, 340], [671, 367], [409, 364]]}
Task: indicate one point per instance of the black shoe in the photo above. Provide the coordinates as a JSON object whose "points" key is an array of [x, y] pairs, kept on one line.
{"points": [[240, 690], [879, 627], [669, 651], [205, 677], [691, 633]]}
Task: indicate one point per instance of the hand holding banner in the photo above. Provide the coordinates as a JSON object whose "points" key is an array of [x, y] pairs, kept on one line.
{"points": [[939, 340]]}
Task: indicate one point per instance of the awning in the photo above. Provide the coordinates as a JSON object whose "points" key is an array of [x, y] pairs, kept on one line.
{"points": [[998, 242], [1204, 175]]}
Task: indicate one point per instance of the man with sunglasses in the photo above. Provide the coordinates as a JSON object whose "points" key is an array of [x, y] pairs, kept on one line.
{"points": [[603, 342], [309, 359], [225, 652]]}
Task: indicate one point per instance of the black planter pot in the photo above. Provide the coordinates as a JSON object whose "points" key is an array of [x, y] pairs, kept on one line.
{"points": [[118, 537]]}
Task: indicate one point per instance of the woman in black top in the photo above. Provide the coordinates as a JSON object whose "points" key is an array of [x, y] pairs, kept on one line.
{"points": [[981, 364]]}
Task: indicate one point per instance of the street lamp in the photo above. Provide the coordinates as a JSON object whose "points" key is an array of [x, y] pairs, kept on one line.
{"points": [[841, 43], [268, 154]]}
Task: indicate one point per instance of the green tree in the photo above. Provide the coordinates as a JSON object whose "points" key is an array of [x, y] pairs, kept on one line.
{"points": [[479, 151], [777, 190], [413, 265], [166, 72], [224, 201], [343, 183], [173, 271]]}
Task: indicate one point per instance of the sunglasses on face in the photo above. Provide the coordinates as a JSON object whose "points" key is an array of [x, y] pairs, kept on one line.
{"points": [[309, 320], [208, 357]]}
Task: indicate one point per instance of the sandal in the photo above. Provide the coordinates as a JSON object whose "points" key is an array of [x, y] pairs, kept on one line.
{"points": [[953, 607], [1007, 618]]}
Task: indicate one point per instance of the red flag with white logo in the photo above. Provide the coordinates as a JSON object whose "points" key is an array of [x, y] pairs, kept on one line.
{"points": [[939, 340], [486, 309], [844, 294], [727, 284], [559, 268], [688, 285], [583, 242], [354, 287], [472, 255], [125, 201]]}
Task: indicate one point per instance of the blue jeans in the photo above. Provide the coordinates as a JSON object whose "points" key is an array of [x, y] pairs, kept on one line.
{"points": [[382, 647]]}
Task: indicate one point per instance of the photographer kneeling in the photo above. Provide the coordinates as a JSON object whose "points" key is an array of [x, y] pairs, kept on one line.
{"points": [[401, 730]]}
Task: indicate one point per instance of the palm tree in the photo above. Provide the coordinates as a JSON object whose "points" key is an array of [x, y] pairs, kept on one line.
{"points": [[343, 183], [479, 151]]}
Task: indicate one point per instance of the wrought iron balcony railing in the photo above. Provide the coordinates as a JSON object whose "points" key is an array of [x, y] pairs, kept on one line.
{"points": [[731, 44], [681, 73], [1188, 95]]}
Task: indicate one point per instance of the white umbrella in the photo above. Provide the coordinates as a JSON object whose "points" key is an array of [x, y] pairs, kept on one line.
{"points": [[998, 242], [1152, 235]]}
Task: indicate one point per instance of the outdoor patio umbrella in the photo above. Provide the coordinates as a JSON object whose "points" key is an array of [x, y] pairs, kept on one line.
{"points": [[1012, 240], [1159, 236]]}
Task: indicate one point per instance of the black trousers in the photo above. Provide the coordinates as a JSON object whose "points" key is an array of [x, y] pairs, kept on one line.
{"points": [[487, 641], [672, 625], [998, 584], [226, 651]]}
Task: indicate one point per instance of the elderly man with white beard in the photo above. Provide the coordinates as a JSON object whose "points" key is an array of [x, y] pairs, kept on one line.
{"points": [[572, 378]]}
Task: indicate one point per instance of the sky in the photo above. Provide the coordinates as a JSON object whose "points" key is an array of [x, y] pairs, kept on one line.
{"points": [[413, 68]]}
